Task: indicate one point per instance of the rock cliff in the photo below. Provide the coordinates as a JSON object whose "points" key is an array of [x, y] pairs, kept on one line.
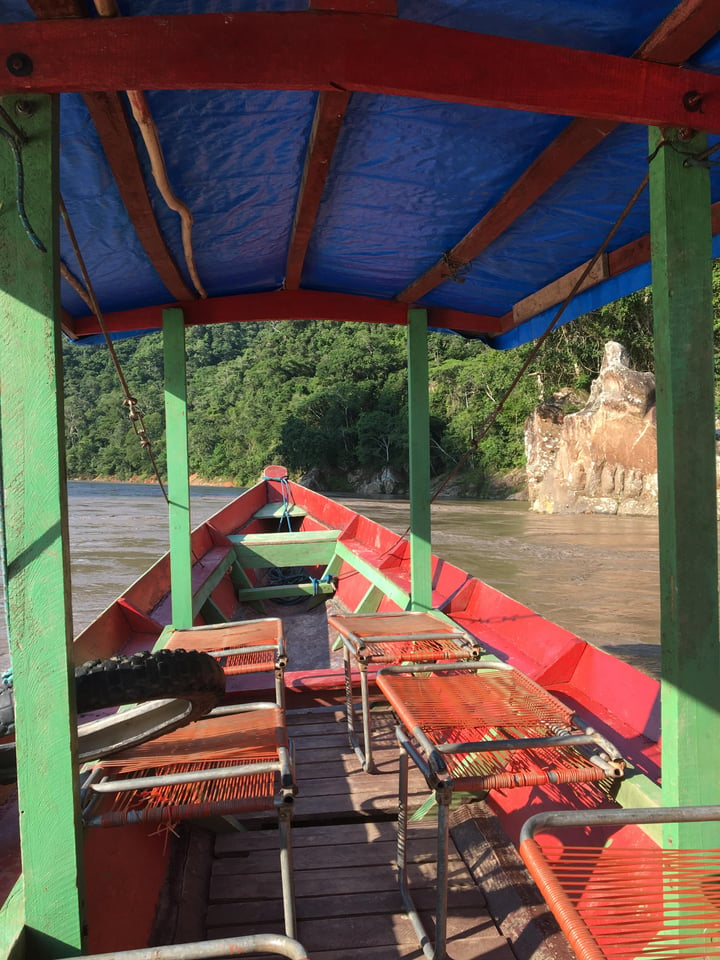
{"points": [[603, 457]]}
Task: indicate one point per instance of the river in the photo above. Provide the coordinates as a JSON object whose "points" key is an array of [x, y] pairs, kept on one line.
{"points": [[595, 575]]}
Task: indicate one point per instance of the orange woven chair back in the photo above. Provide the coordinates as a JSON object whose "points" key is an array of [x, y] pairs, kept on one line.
{"points": [[466, 706], [252, 739], [617, 902], [415, 637], [266, 633]]}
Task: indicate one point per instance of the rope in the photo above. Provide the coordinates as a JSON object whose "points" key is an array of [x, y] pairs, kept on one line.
{"points": [[285, 490], [143, 117], [15, 145], [130, 402], [144, 120], [497, 410], [316, 581]]}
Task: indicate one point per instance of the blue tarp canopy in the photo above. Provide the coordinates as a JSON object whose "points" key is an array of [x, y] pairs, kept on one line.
{"points": [[405, 180]]}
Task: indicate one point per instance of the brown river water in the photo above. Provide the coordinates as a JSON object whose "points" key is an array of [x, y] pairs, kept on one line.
{"points": [[597, 576]]}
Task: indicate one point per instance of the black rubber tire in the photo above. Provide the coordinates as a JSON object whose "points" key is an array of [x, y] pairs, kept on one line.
{"points": [[167, 674], [186, 675]]}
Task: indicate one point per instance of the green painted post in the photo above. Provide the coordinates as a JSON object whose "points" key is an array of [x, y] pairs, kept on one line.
{"points": [[419, 440], [682, 299], [35, 516], [177, 466]]}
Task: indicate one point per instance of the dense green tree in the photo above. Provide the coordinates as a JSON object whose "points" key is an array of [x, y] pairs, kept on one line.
{"points": [[334, 396]]}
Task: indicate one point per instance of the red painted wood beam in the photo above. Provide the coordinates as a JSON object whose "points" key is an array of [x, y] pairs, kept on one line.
{"points": [[632, 254], [113, 126], [111, 122], [689, 27], [319, 50], [682, 33], [284, 305], [563, 153], [328, 119]]}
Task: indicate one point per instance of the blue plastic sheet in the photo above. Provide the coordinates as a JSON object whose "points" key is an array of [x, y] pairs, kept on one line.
{"points": [[408, 179]]}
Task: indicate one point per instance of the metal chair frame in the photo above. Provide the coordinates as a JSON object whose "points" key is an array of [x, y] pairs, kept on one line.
{"points": [[265, 943], [200, 638], [99, 782], [430, 757], [632, 890], [446, 641]]}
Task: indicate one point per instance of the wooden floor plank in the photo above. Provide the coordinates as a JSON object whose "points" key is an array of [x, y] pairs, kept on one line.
{"points": [[344, 847]]}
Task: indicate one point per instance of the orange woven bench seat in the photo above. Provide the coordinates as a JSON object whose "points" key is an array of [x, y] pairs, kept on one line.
{"points": [[390, 638], [229, 765], [252, 739], [616, 902], [398, 637], [495, 728], [477, 726], [241, 647]]}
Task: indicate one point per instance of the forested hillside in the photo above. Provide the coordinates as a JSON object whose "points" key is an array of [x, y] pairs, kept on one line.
{"points": [[329, 396]]}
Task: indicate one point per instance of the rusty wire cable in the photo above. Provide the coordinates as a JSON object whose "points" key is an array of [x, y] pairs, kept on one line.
{"points": [[129, 401]]}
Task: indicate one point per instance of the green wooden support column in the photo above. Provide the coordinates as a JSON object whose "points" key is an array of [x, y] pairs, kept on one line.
{"points": [[682, 298], [419, 441], [177, 467], [35, 517]]}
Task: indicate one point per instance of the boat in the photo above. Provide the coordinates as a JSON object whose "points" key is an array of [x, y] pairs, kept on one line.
{"points": [[282, 553], [252, 774]]}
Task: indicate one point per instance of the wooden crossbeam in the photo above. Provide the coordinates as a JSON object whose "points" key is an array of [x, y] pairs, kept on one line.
{"points": [[350, 52], [285, 590], [687, 28], [328, 119], [312, 549]]}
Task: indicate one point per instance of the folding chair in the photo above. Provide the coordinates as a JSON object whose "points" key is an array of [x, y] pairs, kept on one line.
{"points": [[614, 901], [241, 647], [371, 639], [476, 727], [229, 764]]}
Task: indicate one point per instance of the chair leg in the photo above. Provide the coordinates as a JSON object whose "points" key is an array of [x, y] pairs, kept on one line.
{"points": [[280, 687], [369, 763], [443, 796], [286, 868]]}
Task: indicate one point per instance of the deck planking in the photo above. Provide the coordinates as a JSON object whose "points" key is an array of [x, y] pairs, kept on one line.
{"points": [[344, 835]]}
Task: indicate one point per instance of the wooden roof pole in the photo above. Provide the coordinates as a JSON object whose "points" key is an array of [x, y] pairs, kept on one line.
{"points": [[682, 302], [419, 462], [36, 534], [176, 435]]}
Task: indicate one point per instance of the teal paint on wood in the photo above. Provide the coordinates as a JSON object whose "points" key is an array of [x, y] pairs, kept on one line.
{"points": [[38, 588], [682, 297], [177, 466], [419, 442], [374, 576]]}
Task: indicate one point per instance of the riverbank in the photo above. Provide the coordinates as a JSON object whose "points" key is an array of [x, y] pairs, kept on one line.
{"points": [[195, 481]]}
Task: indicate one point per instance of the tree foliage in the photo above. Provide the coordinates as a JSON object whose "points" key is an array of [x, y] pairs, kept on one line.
{"points": [[334, 396]]}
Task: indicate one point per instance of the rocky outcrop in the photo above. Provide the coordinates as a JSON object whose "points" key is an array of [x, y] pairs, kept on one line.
{"points": [[390, 481], [603, 457]]}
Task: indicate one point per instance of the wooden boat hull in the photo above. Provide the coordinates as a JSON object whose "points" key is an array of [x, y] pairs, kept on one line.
{"points": [[354, 564]]}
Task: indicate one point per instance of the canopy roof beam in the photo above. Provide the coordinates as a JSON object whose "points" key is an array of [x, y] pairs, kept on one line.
{"points": [[683, 32], [328, 119], [351, 52], [287, 305]]}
